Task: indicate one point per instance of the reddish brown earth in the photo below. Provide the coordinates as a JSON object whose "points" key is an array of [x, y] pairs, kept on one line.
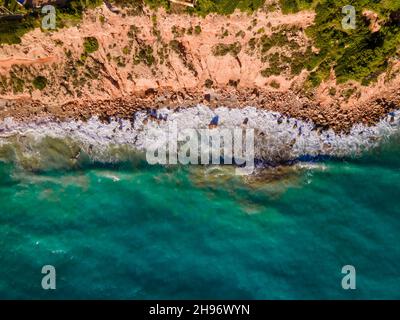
{"points": [[109, 82]]}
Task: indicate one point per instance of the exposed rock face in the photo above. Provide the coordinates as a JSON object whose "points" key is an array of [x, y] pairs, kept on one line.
{"points": [[373, 19]]}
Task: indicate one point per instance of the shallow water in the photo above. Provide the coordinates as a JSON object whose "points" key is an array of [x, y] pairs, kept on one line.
{"points": [[131, 231]]}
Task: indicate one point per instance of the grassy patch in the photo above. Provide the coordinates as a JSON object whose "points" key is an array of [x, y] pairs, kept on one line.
{"points": [[12, 31]]}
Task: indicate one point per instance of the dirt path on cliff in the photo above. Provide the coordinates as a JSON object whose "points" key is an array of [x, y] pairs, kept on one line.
{"points": [[6, 64]]}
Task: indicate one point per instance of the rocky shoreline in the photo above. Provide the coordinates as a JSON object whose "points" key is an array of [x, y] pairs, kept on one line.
{"points": [[143, 63], [277, 139]]}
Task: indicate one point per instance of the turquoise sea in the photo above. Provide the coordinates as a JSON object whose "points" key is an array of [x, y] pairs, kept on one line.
{"points": [[133, 231]]}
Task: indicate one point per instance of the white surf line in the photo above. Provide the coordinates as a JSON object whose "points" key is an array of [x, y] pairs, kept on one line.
{"points": [[276, 136]]}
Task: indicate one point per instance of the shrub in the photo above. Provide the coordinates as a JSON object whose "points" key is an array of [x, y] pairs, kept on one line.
{"points": [[40, 82], [144, 55], [275, 84], [208, 83], [222, 49], [197, 29], [91, 45], [17, 84]]}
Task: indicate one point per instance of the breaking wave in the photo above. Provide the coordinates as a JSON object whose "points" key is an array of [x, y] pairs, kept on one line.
{"points": [[278, 139]]}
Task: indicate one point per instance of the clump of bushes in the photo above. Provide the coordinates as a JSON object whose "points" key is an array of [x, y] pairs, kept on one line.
{"points": [[293, 6], [202, 8], [90, 45], [275, 84], [222, 49], [11, 31], [271, 71], [179, 32], [177, 46], [144, 55], [208, 83], [197, 30], [358, 54], [17, 84], [233, 83], [40, 82], [226, 6], [133, 30]]}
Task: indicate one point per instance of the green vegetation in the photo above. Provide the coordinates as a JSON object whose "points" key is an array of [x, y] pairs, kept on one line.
{"points": [[275, 84], [271, 71], [292, 6], [224, 33], [278, 39], [90, 45], [126, 50], [282, 52], [222, 49], [177, 46], [208, 83], [233, 83], [75, 8], [40, 82], [120, 61], [178, 32], [163, 53], [359, 54], [133, 30], [180, 49], [3, 84], [17, 84], [240, 34], [11, 31], [205, 7], [202, 8], [71, 14], [332, 91], [197, 30], [348, 93], [144, 55]]}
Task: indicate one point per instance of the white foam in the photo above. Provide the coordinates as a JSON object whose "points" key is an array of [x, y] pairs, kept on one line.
{"points": [[276, 137]]}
